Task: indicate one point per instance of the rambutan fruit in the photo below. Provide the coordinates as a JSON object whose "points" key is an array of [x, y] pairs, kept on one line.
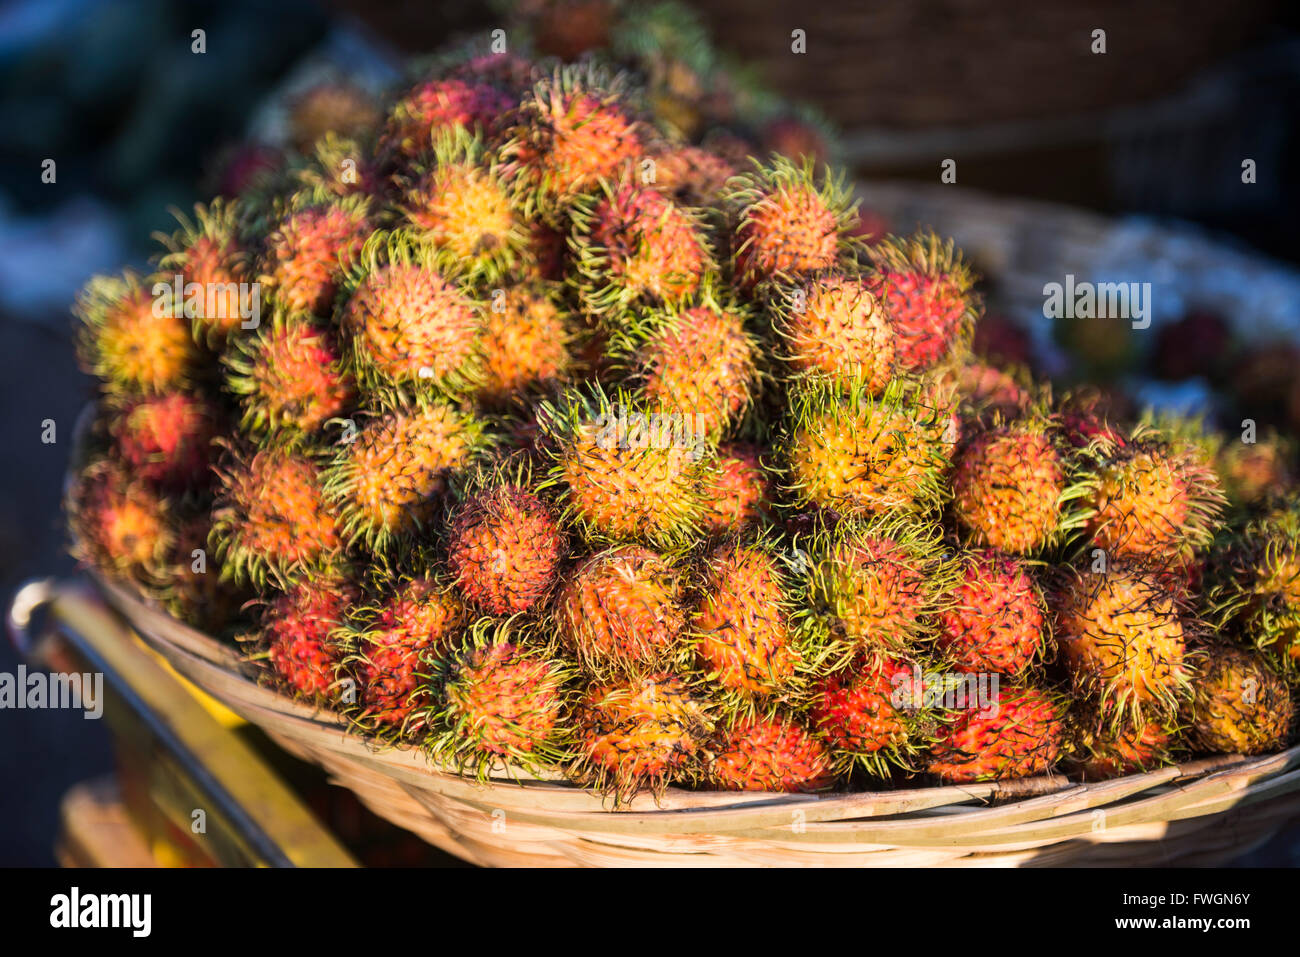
{"points": [[134, 336], [510, 72], [333, 106], [1012, 488], [193, 588], [390, 641], [863, 713], [853, 454], [1090, 420], [408, 324], [872, 588], [571, 131], [927, 292], [1103, 753], [437, 106], [986, 394], [167, 438], [1254, 473], [1019, 734], [797, 137], [621, 610], [308, 251], [640, 733], [1255, 584], [741, 624], [207, 251], [777, 753], [428, 606], [996, 620], [787, 224], [1241, 706], [527, 344], [338, 166], [459, 205], [1123, 641], [1155, 497], [625, 471], [298, 629], [739, 494], [290, 377], [832, 327], [271, 519], [384, 480], [691, 175], [122, 526], [504, 548], [502, 703], [632, 245], [700, 363]]}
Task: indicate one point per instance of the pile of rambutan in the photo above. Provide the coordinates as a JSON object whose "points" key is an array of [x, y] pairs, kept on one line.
{"points": [[560, 442]]}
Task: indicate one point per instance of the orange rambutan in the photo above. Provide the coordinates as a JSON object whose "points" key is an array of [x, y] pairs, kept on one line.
{"points": [[1012, 488], [571, 131], [271, 519], [739, 495], [207, 251], [385, 478], [505, 548], [770, 754], [788, 226], [633, 245], [1123, 641], [290, 377], [621, 610], [436, 106], [527, 344], [1019, 734], [306, 253], [167, 438], [741, 623], [1155, 497], [123, 525], [390, 641], [832, 327], [996, 619], [134, 337], [298, 629], [627, 472], [640, 733], [702, 364], [407, 323], [858, 455]]}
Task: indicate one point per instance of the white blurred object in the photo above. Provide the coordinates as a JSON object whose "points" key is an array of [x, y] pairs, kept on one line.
{"points": [[45, 260], [1026, 244]]}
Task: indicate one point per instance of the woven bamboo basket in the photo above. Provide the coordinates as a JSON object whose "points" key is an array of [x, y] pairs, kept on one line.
{"points": [[1203, 812]]}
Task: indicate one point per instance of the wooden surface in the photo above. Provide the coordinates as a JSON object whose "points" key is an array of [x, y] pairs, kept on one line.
{"points": [[96, 831]]}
